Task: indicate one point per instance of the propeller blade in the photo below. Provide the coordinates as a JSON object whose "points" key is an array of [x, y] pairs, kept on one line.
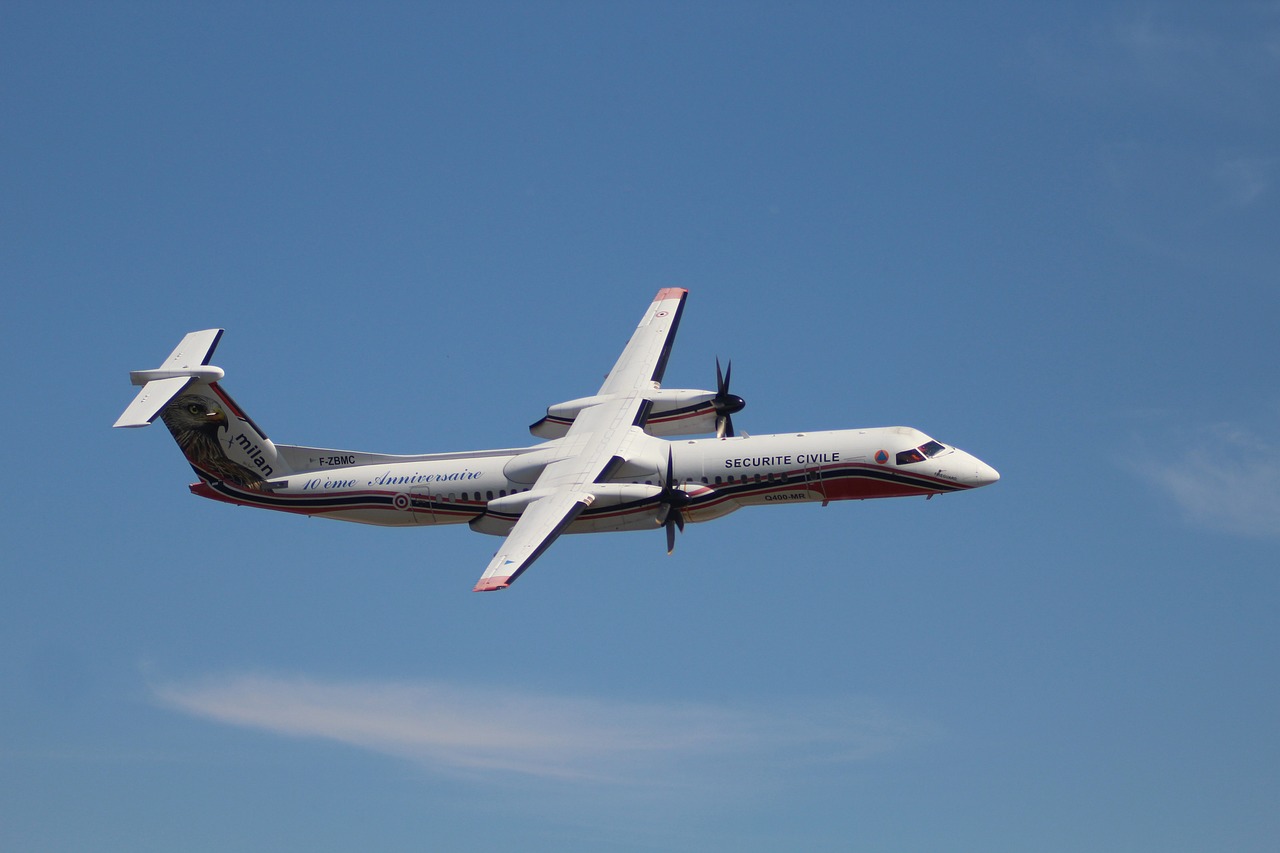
{"points": [[725, 403], [672, 499]]}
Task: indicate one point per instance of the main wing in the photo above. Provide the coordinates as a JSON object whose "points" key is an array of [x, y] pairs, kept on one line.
{"points": [[598, 441], [644, 360], [542, 521]]}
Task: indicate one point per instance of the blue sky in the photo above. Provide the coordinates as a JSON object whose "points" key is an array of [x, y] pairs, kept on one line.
{"points": [[1046, 235]]}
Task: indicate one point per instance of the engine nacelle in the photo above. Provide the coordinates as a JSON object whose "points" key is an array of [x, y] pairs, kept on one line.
{"points": [[501, 513], [526, 467], [681, 411], [675, 411]]}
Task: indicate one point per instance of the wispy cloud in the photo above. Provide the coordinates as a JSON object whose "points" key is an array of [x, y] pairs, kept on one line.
{"points": [[467, 729], [1191, 164], [1245, 179], [1223, 477], [1191, 61], [1159, 52]]}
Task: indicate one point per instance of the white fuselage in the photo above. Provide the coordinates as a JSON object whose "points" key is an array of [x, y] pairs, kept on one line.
{"points": [[719, 475], [613, 460]]}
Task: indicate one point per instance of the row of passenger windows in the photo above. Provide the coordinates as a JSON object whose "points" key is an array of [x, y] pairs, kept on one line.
{"points": [[745, 478], [488, 496]]}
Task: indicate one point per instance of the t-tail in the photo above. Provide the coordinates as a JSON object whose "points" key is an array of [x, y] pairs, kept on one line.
{"points": [[222, 444]]}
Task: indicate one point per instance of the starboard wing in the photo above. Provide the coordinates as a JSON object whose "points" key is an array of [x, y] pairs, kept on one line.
{"points": [[597, 442], [542, 521]]}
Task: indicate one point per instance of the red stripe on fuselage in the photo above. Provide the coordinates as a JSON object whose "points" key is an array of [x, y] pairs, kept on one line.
{"points": [[858, 482], [663, 419]]}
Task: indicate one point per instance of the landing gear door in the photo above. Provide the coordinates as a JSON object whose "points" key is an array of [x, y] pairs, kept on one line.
{"points": [[813, 482]]}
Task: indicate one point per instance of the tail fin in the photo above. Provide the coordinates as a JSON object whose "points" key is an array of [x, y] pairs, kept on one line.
{"points": [[222, 444]]}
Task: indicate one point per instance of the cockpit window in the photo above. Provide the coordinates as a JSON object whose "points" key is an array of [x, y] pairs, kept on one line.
{"points": [[932, 448], [929, 449]]}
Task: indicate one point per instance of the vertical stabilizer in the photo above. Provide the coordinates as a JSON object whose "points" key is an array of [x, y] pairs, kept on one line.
{"points": [[219, 440]]}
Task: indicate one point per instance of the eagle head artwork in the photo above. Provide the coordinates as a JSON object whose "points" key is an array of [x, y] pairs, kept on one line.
{"points": [[194, 421]]}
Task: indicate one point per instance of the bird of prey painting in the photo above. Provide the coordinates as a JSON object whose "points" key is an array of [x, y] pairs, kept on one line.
{"points": [[195, 422]]}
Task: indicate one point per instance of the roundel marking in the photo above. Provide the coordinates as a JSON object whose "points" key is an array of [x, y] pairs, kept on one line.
{"points": [[662, 313], [882, 456], [400, 501]]}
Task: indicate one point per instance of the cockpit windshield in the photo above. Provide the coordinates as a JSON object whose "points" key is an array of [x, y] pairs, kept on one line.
{"points": [[906, 457], [929, 449], [932, 448]]}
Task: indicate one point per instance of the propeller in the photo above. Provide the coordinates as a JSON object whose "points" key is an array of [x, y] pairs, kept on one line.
{"points": [[673, 501], [726, 404]]}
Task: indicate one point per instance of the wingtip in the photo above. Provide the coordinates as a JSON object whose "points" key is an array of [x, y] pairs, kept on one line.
{"points": [[491, 584]]}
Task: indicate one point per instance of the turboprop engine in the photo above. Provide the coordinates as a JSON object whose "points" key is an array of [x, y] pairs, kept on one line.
{"points": [[675, 411]]}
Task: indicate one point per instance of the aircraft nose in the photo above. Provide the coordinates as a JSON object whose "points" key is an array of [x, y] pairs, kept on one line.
{"points": [[985, 475]]}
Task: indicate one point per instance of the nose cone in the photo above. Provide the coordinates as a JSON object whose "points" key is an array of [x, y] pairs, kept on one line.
{"points": [[972, 471], [986, 475]]}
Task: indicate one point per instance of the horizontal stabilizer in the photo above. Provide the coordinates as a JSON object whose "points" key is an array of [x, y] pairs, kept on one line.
{"points": [[153, 397], [188, 363]]}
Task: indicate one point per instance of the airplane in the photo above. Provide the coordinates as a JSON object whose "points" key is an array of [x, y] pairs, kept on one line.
{"points": [[605, 464]]}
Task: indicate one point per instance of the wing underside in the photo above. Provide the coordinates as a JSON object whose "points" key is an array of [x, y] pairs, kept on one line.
{"points": [[599, 439], [539, 526]]}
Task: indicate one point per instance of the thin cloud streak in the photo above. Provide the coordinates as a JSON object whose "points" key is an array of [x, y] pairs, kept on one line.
{"points": [[1225, 478], [1198, 65], [1244, 180], [456, 728]]}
